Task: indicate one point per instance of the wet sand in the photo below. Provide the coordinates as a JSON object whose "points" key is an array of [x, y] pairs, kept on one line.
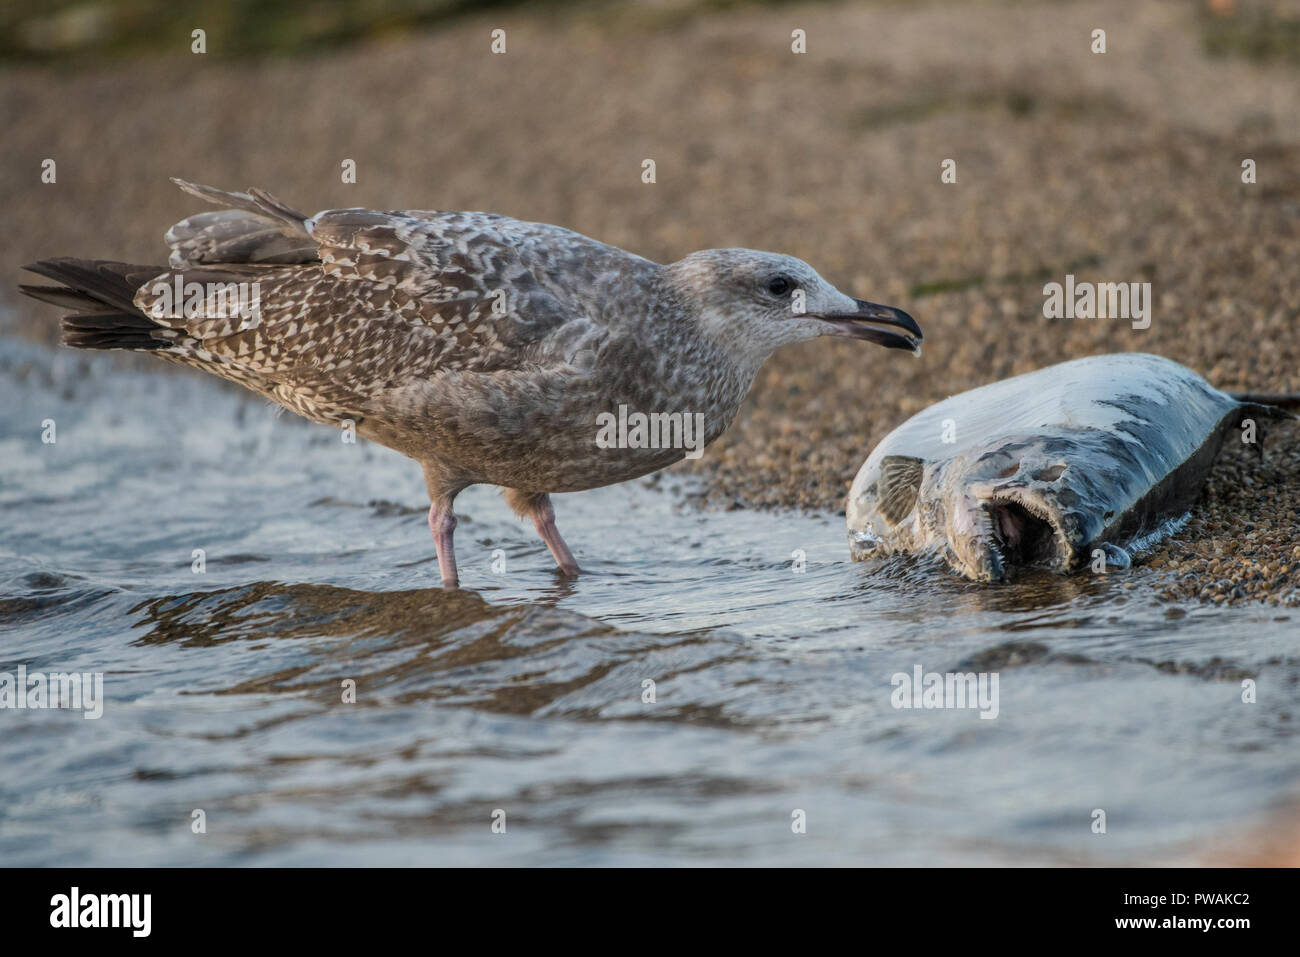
{"points": [[1119, 167]]}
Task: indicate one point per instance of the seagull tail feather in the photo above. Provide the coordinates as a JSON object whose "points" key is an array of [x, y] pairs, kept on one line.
{"points": [[100, 294]]}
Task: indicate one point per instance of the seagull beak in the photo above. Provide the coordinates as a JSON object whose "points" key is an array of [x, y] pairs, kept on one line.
{"points": [[865, 321]]}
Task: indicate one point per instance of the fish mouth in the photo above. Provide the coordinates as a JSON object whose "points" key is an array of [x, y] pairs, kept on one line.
{"points": [[1019, 533], [866, 322]]}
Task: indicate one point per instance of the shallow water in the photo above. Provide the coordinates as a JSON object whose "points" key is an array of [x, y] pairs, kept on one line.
{"points": [[524, 693]]}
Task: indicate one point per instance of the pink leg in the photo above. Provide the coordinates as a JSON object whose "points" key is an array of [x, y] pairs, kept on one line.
{"points": [[543, 517], [443, 523]]}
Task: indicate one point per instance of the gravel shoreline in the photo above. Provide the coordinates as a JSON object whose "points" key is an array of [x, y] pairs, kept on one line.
{"points": [[1122, 167]]}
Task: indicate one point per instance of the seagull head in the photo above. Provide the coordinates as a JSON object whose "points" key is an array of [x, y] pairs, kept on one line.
{"points": [[752, 303]]}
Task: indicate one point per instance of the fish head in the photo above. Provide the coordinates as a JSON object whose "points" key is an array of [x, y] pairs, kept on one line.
{"points": [[1012, 505], [991, 510]]}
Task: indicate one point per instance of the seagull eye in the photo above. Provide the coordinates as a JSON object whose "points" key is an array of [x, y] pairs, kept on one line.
{"points": [[779, 286]]}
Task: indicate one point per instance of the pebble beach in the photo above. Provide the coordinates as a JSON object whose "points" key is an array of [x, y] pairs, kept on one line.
{"points": [[1123, 166]]}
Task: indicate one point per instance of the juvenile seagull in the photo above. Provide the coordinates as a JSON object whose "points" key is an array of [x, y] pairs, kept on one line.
{"points": [[483, 347]]}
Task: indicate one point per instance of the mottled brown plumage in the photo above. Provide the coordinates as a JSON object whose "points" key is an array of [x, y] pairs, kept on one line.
{"points": [[481, 346]]}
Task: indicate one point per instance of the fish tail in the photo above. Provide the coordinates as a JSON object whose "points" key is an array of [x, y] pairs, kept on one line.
{"points": [[1278, 400]]}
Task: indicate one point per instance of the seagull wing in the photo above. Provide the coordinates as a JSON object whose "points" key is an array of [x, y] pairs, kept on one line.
{"points": [[353, 303]]}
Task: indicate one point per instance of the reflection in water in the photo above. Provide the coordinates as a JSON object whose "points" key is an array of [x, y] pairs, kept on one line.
{"points": [[1032, 590], [426, 644], [272, 609], [672, 705]]}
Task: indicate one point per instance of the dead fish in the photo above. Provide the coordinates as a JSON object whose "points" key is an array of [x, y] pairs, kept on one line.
{"points": [[1094, 459]]}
